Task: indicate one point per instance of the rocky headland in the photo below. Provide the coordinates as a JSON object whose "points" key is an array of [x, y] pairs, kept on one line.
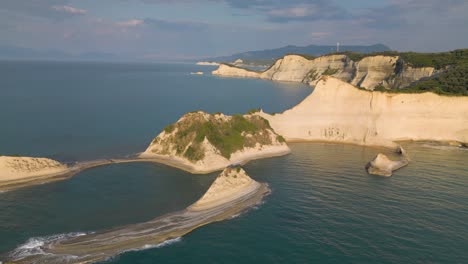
{"points": [[369, 72], [201, 143], [339, 112]]}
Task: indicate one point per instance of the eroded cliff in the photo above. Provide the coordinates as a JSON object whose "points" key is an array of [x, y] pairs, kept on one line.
{"points": [[379, 71]]}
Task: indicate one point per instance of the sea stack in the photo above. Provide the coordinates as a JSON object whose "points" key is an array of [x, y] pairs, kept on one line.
{"points": [[383, 166], [202, 143]]}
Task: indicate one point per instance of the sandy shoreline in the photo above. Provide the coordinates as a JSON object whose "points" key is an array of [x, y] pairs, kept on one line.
{"points": [[8, 185], [99, 246]]}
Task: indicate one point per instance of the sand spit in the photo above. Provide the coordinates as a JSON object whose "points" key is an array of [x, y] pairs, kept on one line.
{"points": [[66, 172], [230, 194]]}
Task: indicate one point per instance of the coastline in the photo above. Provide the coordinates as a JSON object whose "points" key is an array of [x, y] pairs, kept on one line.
{"points": [[145, 158], [100, 246]]}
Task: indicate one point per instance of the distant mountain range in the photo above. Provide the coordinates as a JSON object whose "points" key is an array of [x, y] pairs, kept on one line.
{"points": [[270, 55], [256, 57]]}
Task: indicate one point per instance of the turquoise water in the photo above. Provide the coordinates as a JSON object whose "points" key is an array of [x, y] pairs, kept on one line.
{"points": [[323, 206]]}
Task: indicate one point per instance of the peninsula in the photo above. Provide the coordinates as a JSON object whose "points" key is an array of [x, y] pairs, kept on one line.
{"points": [[443, 72]]}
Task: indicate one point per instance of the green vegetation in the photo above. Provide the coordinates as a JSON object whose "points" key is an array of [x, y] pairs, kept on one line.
{"points": [[169, 128], [330, 71], [437, 60], [305, 56], [280, 139], [253, 111], [452, 82], [226, 134]]}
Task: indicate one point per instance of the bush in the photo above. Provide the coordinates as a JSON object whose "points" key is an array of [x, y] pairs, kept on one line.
{"points": [[330, 71]]}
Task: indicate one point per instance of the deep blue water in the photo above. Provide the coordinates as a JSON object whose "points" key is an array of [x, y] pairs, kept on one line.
{"points": [[323, 208]]}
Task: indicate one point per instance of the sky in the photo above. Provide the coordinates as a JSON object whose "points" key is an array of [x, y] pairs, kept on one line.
{"points": [[190, 29]]}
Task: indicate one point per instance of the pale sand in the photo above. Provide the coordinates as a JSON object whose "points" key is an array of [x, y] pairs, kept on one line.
{"points": [[339, 112], [216, 162], [46, 175], [99, 246], [231, 184], [17, 168]]}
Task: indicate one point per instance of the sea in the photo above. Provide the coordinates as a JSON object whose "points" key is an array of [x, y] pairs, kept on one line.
{"points": [[323, 208]]}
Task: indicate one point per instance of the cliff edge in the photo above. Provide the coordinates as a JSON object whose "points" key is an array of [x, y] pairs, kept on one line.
{"points": [[370, 72]]}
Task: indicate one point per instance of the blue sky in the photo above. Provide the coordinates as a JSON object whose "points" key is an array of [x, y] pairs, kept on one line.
{"points": [[187, 29]]}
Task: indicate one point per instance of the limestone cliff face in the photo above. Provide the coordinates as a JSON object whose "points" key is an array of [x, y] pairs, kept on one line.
{"points": [[373, 71], [338, 112], [203, 142], [233, 71], [370, 72]]}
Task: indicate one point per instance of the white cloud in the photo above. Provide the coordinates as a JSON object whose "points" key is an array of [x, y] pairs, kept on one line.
{"points": [[69, 9], [131, 23], [292, 12]]}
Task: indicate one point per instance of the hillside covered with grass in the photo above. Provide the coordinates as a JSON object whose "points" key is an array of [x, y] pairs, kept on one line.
{"points": [[227, 134]]}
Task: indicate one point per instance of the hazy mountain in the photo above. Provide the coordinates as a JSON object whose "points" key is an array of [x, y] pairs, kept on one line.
{"points": [[315, 50]]}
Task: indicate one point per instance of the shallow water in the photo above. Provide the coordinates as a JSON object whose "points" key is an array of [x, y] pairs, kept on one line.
{"points": [[323, 206]]}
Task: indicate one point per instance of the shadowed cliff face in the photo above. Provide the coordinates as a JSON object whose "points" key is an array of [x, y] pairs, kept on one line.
{"points": [[370, 72]]}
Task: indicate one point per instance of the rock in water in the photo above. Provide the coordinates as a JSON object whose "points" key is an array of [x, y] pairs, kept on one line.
{"points": [[384, 166]]}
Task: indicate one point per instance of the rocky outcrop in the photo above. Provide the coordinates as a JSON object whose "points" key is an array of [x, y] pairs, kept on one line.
{"points": [[369, 73], [201, 143], [381, 165], [207, 63], [21, 168], [233, 71], [299, 69], [231, 184], [338, 112], [373, 71]]}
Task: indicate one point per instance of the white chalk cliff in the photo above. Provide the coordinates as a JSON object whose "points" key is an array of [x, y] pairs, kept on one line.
{"points": [[370, 72], [337, 111]]}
